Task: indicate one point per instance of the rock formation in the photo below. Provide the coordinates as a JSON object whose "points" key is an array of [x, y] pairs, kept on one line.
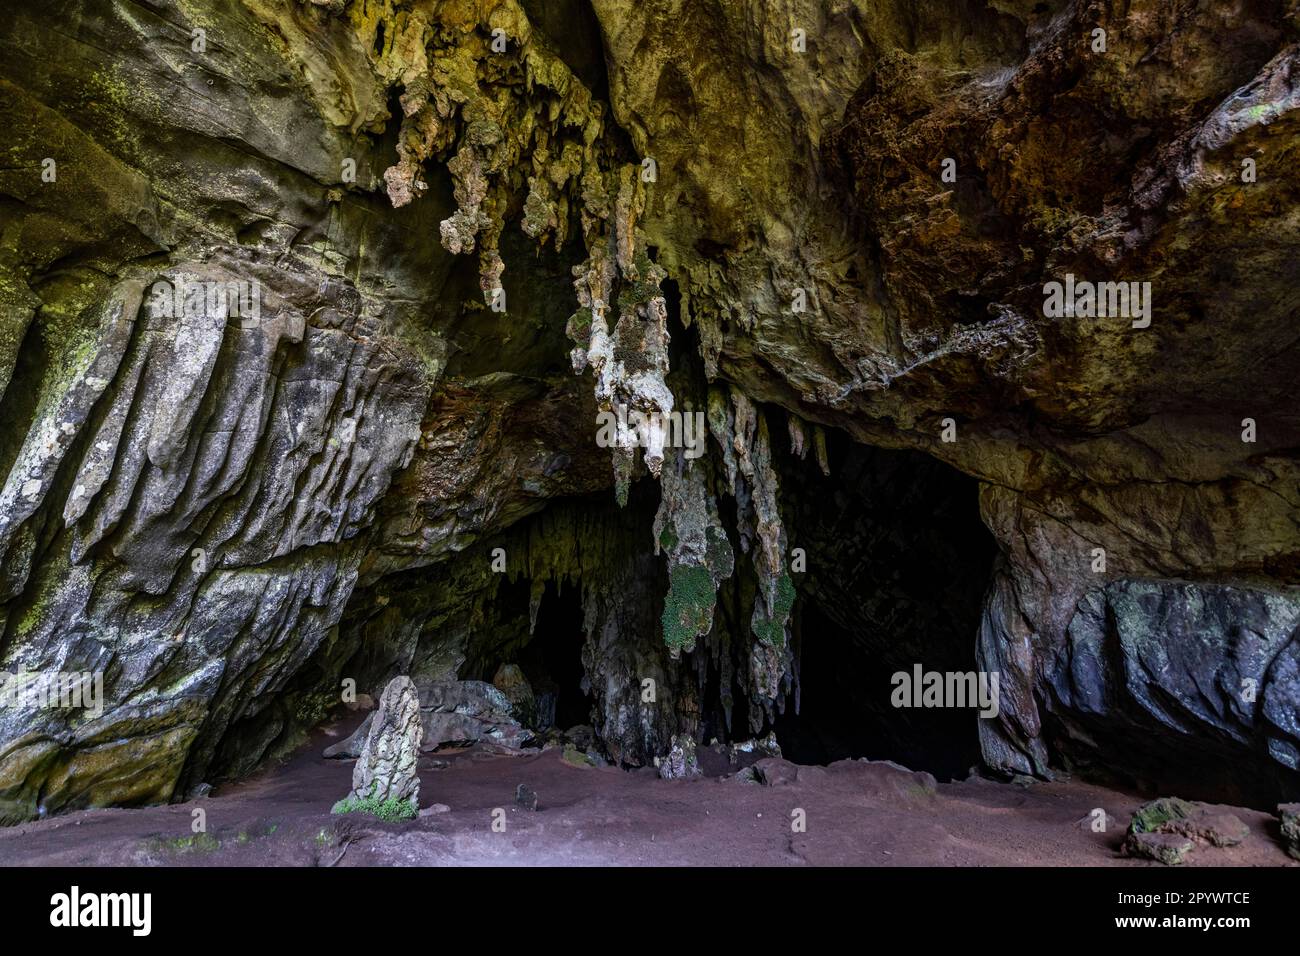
{"points": [[467, 712], [1167, 830], [1290, 817], [384, 775], [293, 294]]}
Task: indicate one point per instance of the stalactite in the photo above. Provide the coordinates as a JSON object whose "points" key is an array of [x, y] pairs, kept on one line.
{"points": [[465, 109], [689, 531], [741, 431]]}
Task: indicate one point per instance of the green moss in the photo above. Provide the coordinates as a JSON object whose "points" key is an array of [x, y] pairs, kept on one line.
{"points": [[47, 589], [27, 623], [483, 132], [622, 475], [717, 552], [578, 328], [576, 758], [537, 214], [688, 609], [644, 288], [635, 294], [1150, 817], [391, 810], [194, 843], [668, 538], [313, 708], [771, 629]]}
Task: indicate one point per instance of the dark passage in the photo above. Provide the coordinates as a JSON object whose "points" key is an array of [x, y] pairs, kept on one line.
{"points": [[897, 564], [550, 657], [552, 660]]}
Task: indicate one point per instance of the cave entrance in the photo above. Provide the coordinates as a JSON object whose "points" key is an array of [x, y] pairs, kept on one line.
{"points": [[898, 561], [552, 659]]}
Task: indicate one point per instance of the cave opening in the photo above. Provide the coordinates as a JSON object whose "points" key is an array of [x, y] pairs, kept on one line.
{"points": [[552, 660], [895, 564], [898, 561], [549, 655]]}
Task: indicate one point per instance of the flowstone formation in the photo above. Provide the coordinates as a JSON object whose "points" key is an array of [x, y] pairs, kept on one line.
{"points": [[293, 294]]}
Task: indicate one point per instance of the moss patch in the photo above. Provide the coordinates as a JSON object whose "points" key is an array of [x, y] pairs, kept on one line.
{"points": [[392, 810], [194, 843], [771, 629], [688, 609], [1150, 817]]}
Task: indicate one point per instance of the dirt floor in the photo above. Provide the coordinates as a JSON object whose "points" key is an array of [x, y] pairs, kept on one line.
{"points": [[856, 813]]}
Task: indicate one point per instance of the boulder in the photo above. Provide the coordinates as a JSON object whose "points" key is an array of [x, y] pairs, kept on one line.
{"points": [[581, 736], [1160, 828], [1170, 849], [1152, 816], [887, 781], [1220, 829], [510, 680], [776, 772], [467, 712]]}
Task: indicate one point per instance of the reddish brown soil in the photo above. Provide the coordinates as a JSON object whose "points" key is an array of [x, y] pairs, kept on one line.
{"points": [[857, 814]]}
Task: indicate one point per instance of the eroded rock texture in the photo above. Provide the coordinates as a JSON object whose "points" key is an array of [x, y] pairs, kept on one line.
{"points": [[385, 770], [737, 208]]}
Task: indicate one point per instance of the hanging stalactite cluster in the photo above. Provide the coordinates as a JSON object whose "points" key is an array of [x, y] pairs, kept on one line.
{"points": [[521, 135]]}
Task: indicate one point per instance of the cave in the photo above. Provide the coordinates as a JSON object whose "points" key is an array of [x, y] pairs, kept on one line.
{"points": [[551, 659], [898, 565], [890, 540]]}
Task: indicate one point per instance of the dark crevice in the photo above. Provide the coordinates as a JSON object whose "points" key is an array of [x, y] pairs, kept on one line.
{"points": [[897, 564], [552, 660], [571, 29]]}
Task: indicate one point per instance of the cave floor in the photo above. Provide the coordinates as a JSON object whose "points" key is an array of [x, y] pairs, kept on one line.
{"points": [[857, 813]]}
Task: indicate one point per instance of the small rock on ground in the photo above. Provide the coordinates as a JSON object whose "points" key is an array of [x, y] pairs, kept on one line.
{"points": [[1168, 848]]}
